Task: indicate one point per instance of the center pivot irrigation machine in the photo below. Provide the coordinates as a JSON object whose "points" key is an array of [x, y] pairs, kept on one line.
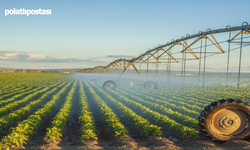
{"points": [[222, 120]]}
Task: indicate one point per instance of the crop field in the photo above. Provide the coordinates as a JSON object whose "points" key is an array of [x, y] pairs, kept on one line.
{"points": [[61, 111]]}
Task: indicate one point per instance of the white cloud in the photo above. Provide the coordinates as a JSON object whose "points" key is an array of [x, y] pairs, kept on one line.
{"points": [[8, 56], [16, 56], [30, 60], [36, 56]]}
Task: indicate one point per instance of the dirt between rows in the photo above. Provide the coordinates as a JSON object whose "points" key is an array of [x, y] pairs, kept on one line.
{"points": [[144, 143], [71, 139]]}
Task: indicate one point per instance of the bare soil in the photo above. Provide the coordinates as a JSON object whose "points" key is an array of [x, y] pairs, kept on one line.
{"points": [[38, 136], [145, 143], [71, 137]]}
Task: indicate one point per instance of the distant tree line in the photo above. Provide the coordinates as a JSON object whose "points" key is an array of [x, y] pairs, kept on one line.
{"points": [[46, 71], [35, 71]]}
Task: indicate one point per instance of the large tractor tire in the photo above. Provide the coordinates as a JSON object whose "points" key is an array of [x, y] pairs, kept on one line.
{"points": [[150, 85], [110, 84], [226, 119]]}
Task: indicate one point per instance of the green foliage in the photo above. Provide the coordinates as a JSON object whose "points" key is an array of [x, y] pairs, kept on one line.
{"points": [[20, 133], [58, 123], [174, 106], [6, 120], [182, 115], [86, 119], [160, 119], [147, 129], [108, 115]]}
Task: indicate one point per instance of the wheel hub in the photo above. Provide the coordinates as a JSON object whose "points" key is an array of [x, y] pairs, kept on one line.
{"points": [[109, 85], [228, 122], [149, 86]]}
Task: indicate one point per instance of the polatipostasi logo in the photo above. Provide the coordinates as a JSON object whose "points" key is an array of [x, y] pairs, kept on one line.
{"points": [[27, 12]]}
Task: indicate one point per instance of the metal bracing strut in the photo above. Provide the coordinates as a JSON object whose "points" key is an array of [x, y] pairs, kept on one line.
{"points": [[204, 68], [228, 56]]}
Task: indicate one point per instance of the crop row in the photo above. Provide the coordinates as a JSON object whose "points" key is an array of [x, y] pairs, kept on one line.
{"points": [[86, 119], [108, 115], [7, 94], [169, 108], [203, 96], [58, 124], [147, 129], [181, 115], [21, 90], [184, 95], [174, 96], [160, 119], [26, 86], [9, 107], [23, 94], [19, 96], [162, 99], [15, 116], [21, 132], [146, 110], [10, 82]]}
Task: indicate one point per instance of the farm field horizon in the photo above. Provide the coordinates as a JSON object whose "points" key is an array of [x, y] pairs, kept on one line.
{"points": [[124, 75], [61, 111]]}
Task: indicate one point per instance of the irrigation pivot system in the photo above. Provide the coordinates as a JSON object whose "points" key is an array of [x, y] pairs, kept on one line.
{"points": [[191, 47], [222, 120]]}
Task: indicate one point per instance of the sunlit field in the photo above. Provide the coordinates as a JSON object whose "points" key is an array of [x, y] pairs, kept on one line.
{"points": [[39, 109]]}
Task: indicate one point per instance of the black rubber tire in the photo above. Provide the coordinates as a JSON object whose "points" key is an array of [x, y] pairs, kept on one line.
{"points": [[207, 113], [110, 82], [153, 85]]}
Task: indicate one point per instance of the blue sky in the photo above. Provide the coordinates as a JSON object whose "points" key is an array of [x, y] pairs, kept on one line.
{"points": [[84, 33]]}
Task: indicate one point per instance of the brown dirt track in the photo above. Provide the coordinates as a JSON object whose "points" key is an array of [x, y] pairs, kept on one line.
{"points": [[144, 143]]}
